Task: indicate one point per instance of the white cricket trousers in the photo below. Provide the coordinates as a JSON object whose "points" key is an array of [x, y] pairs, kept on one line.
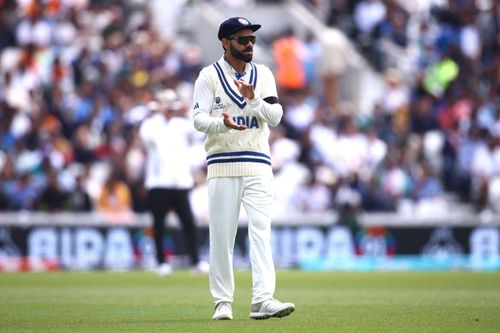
{"points": [[225, 198]]}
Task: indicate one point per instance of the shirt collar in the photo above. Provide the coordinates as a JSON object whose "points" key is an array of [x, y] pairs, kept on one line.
{"points": [[227, 67]]}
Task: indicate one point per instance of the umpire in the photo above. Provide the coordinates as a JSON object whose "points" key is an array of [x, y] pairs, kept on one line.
{"points": [[165, 135]]}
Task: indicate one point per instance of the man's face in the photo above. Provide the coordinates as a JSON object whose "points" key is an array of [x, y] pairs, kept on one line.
{"points": [[240, 45]]}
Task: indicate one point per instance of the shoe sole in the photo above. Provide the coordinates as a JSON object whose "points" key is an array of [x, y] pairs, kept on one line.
{"points": [[280, 314], [223, 317]]}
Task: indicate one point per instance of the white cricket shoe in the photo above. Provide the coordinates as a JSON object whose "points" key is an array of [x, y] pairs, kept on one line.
{"points": [[165, 269], [223, 311], [271, 308], [202, 268]]}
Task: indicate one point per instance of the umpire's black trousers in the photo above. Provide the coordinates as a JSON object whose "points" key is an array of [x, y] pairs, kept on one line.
{"points": [[161, 201]]}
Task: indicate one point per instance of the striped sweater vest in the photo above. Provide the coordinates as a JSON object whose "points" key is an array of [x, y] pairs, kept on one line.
{"points": [[238, 153]]}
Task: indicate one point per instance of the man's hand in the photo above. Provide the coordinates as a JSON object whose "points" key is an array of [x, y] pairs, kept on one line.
{"points": [[229, 122], [244, 88]]}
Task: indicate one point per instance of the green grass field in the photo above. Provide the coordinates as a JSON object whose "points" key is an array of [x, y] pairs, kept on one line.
{"points": [[326, 302]]}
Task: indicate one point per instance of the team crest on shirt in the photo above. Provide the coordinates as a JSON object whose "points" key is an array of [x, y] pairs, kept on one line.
{"points": [[218, 103]]}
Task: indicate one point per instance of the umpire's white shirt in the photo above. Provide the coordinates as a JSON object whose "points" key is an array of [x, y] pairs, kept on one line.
{"points": [[168, 164]]}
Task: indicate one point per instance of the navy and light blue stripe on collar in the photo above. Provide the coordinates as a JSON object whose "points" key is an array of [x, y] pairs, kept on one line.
{"points": [[253, 75], [240, 75], [238, 156], [238, 99]]}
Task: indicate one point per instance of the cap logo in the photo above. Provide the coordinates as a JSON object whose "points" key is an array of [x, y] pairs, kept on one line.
{"points": [[243, 21]]}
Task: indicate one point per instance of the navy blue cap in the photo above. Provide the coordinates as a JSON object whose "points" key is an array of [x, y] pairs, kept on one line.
{"points": [[234, 24]]}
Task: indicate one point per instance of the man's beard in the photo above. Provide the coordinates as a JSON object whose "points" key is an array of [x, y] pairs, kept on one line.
{"points": [[239, 55]]}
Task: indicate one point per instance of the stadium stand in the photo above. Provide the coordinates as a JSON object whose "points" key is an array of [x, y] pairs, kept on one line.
{"points": [[76, 76]]}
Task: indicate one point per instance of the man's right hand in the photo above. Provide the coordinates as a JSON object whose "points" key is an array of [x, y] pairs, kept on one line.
{"points": [[229, 122]]}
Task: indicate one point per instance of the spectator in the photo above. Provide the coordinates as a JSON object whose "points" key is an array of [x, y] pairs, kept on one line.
{"points": [[422, 118], [312, 55], [78, 198], [21, 192], [82, 146], [396, 94], [485, 167], [115, 196], [300, 114], [336, 56], [6, 172], [426, 185], [373, 199], [368, 14], [52, 198], [396, 182], [313, 196], [393, 28], [289, 52], [465, 153], [34, 29], [376, 151]]}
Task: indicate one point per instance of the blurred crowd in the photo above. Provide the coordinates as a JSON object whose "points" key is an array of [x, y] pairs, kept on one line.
{"points": [[433, 137], [77, 76]]}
